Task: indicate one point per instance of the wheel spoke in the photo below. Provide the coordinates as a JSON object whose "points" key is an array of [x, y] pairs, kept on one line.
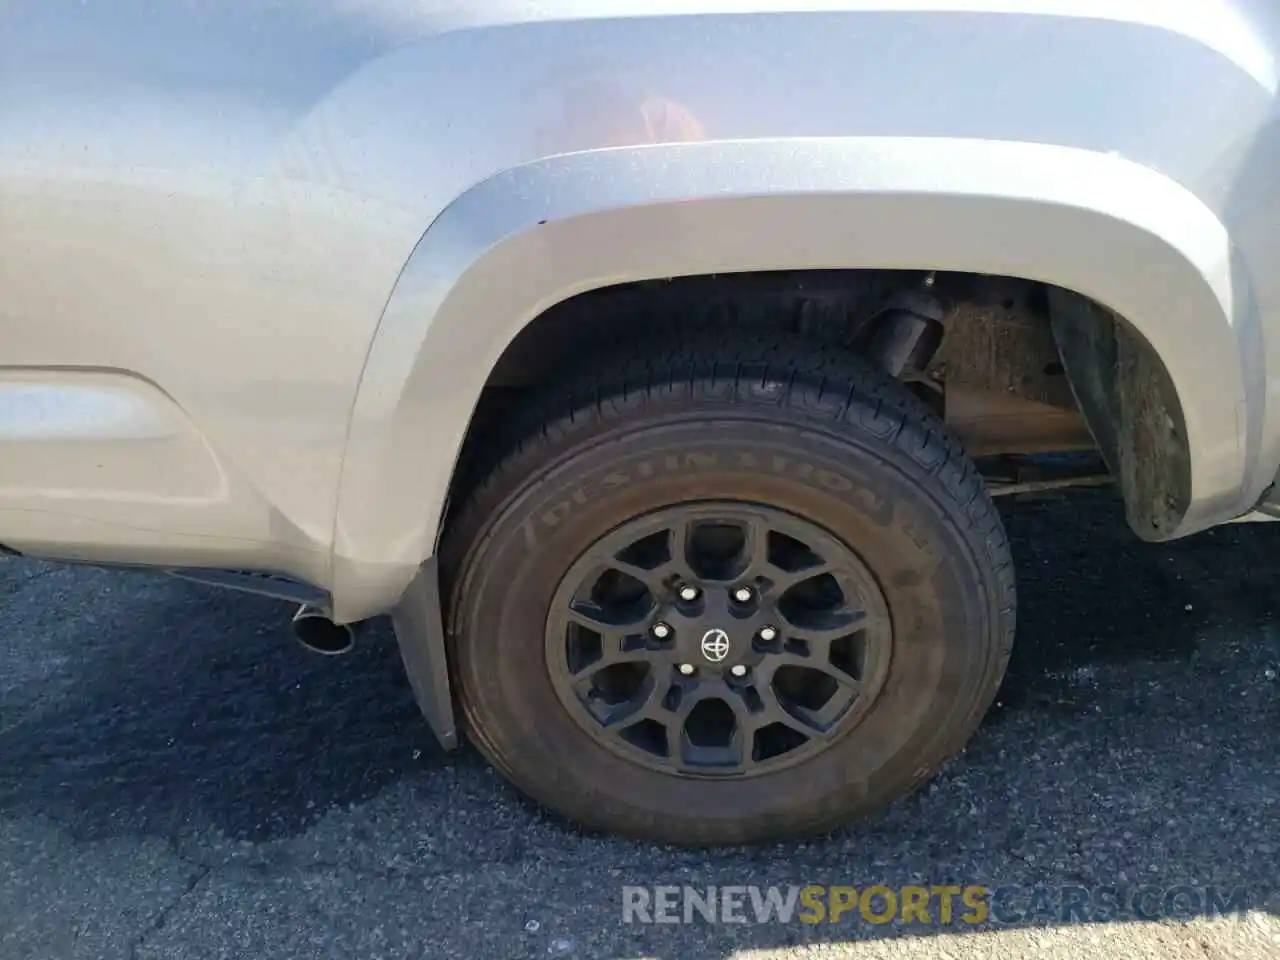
{"points": [[611, 657], [831, 627], [722, 758], [755, 550], [823, 719], [821, 665], [773, 712], [597, 619], [783, 580], [618, 644], [761, 567], [802, 721], [651, 577], [675, 727], [680, 750], [745, 731], [644, 705], [678, 549], [809, 723], [675, 567]]}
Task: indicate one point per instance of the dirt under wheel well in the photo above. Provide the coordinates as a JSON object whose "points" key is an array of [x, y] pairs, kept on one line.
{"points": [[989, 363]]}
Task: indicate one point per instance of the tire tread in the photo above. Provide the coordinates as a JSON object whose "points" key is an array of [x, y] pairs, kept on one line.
{"points": [[828, 386]]}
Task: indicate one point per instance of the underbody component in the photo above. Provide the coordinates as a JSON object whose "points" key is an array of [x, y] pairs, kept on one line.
{"points": [[1010, 475], [1001, 378], [317, 632], [272, 585], [907, 334]]}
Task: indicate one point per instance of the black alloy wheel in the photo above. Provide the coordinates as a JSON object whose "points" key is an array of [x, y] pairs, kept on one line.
{"points": [[718, 639]]}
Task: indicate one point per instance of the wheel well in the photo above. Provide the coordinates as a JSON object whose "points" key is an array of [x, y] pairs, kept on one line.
{"points": [[983, 351]]}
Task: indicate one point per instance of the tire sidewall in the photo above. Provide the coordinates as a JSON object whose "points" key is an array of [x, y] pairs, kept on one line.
{"points": [[889, 509]]}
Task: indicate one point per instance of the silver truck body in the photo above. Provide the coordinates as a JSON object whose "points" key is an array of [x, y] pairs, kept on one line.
{"points": [[258, 259]]}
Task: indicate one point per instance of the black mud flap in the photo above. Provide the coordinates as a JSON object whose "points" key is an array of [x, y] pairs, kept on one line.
{"points": [[1132, 410], [419, 626]]}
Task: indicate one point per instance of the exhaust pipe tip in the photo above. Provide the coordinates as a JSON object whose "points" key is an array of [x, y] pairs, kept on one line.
{"points": [[315, 631]]}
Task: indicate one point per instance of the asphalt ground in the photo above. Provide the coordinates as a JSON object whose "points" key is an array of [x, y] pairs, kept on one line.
{"points": [[178, 779]]}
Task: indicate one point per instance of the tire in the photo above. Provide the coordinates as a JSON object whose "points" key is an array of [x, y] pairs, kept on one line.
{"points": [[770, 429]]}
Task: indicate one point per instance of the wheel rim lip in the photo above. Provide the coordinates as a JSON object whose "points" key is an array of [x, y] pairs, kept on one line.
{"points": [[594, 559]]}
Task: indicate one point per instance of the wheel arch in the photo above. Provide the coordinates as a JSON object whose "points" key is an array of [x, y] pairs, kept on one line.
{"points": [[506, 251]]}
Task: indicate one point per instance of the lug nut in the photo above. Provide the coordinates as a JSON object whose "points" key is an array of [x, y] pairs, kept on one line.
{"points": [[768, 634], [686, 669], [689, 593], [661, 631], [738, 671], [743, 594]]}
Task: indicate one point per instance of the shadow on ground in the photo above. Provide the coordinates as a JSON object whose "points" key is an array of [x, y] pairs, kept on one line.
{"points": [[188, 704], [1132, 743]]}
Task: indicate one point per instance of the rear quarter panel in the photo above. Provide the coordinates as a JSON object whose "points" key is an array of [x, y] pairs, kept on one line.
{"points": [[225, 199]]}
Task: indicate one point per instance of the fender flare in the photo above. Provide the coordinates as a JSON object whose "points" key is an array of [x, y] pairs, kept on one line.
{"points": [[518, 243]]}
